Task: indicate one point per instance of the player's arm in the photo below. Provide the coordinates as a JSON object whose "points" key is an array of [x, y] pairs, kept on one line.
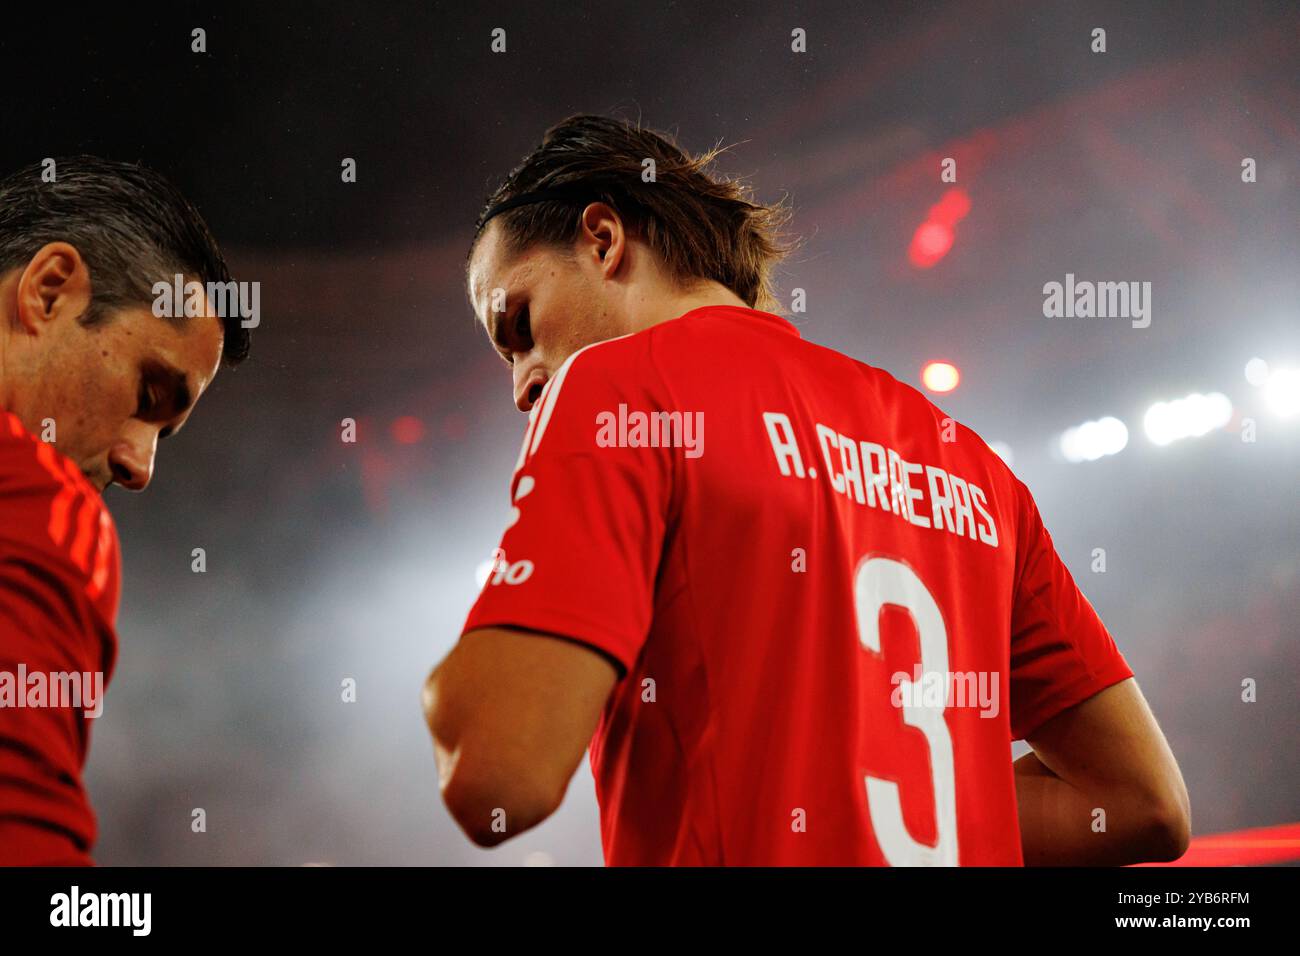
{"points": [[1102, 761], [512, 712], [1102, 786], [569, 607]]}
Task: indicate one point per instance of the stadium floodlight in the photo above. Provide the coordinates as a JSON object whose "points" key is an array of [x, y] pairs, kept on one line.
{"points": [[1282, 392], [1093, 440], [1257, 371], [940, 376], [1190, 417]]}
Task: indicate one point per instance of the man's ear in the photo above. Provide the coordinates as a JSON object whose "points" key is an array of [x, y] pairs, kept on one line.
{"points": [[55, 285], [604, 233]]}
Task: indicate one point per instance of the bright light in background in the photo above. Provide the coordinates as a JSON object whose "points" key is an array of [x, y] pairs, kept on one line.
{"points": [[1257, 371], [1282, 392], [1189, 417], [1093, 440], [940, 376]]}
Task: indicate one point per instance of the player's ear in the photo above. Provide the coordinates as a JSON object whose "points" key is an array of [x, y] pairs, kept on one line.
{"points": [[55, 285], [604, 235]]}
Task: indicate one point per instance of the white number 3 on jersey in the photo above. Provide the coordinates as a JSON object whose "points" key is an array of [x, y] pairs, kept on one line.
{"points": [[880, 581]]}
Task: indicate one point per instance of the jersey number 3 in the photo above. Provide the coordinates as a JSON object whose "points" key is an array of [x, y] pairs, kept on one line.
{"points": [[880, 581]]}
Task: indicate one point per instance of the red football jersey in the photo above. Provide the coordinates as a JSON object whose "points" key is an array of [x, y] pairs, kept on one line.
{"points": [[60, 573], [830, 619]]}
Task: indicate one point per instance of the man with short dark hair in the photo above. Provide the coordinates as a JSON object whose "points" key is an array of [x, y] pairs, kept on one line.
{"points": [[91, 376]]}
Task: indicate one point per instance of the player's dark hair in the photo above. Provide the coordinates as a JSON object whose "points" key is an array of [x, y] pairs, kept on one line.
{"points": [[131, 226], [700, 226]]}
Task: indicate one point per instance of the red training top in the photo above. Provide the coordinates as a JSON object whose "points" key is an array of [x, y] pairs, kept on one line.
{"points": [[830, 619], [60, 576]]}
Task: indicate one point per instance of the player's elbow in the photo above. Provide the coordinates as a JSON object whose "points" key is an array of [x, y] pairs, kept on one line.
{"points": [[493, 805], [1164, 811], [1168, 831], [491, 786]]}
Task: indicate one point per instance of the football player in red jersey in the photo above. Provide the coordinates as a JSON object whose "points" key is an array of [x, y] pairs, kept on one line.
{"points": [[90, 379], [809, 639]]}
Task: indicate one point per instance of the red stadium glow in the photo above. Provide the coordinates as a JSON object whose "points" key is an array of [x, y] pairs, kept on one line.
{"points": [[952, 208], [930, 244], [407, 430], [934, 237]]}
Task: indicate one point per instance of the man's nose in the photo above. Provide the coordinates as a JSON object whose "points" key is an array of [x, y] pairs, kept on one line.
{"points": [[131, 458], [529, 382]]}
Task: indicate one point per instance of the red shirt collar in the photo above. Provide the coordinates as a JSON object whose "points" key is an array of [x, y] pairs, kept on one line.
{"points": [[783, 324]]}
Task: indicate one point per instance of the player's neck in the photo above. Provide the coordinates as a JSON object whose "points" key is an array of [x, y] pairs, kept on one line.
{"points": [[672, 307]]}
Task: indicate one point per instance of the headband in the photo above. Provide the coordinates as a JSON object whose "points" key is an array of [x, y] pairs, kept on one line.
{"points": [[566, 191]]}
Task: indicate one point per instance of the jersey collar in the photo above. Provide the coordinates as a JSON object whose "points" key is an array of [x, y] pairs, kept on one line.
{"points": [[768, 317]]}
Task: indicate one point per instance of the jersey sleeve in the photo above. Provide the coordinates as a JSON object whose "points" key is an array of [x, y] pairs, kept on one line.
{"points": [[581, 549], [1061, 653], [59, 584]]}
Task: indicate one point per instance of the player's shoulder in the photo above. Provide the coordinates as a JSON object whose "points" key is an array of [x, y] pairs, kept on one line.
{"points": [[25, 469], [958, 444], [30, 466], [46, 503]]}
